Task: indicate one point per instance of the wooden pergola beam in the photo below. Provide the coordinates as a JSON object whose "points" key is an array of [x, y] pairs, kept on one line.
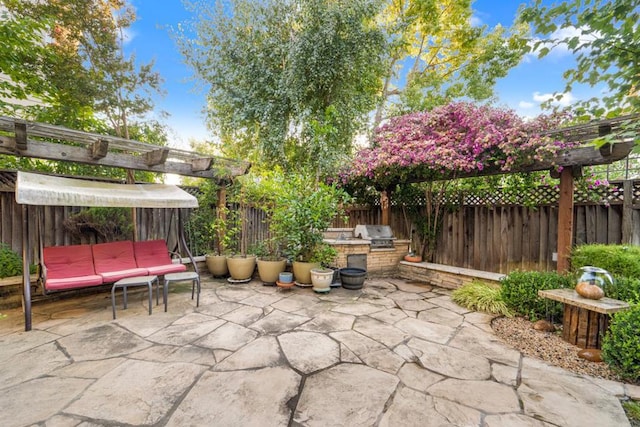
{"points": [[28, 140]]}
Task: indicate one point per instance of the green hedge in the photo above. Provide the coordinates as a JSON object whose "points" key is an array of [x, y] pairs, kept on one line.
{"points": [[621, 344], [619, 260], [520, 293]]}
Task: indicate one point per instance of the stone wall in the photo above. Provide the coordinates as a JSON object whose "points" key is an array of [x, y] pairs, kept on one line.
{"points": [[444, 275]]}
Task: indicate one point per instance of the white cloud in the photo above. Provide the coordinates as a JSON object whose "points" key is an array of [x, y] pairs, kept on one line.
{"points": [[559, 48], [525, 104], [128, 35], [564, 101], [475, 21]]}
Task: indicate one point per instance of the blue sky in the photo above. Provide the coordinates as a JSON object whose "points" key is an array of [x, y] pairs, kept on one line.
{"points": [[523, 89]]}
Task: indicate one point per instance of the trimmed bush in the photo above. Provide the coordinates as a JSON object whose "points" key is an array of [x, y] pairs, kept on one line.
{"points": [[621, 344], [10, 262], [619, 260], [625, 289], [481, 296], [520, 293]]}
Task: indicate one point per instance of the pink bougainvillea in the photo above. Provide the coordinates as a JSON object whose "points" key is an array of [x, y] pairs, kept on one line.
{"points": [[456, 139]]}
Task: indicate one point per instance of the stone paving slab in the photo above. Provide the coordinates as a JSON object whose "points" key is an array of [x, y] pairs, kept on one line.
{"points": [[239, 398], [395, 353], [136, 392]]}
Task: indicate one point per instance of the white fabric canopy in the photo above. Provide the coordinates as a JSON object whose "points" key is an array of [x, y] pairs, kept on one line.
{"points": [[46, 190]]}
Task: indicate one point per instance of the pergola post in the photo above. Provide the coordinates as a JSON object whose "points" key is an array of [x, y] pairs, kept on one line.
{"points": [[565, 219], [385, 206], [26, 279]]}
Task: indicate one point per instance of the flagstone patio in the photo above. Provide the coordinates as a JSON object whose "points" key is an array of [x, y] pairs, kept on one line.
{"points": [[395, 353]]}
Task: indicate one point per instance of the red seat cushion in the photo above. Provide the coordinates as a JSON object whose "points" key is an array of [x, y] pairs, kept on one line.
{"points": [[161, 270], [113, 256], [151, 253], [154, 256], [114, 276], [68, 261], [73, 282]]}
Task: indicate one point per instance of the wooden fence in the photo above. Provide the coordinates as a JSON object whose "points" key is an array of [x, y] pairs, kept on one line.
{"points": [[493, 234], [484, 234]]}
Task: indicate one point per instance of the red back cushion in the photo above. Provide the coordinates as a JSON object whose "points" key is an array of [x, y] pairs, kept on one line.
{"points": [[151, 253], [68, 261], [113, 256]]}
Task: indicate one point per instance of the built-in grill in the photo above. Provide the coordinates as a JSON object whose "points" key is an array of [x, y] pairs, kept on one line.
{"points": [[379, 236]]}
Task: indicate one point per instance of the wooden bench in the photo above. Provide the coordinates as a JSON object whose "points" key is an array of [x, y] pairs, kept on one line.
{"points": [[584, 321], [80, 266]]}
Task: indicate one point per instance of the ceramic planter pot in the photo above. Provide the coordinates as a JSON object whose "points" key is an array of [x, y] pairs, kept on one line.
{"points": [[217, 265], [241, 268], [285, 277], [302, 271], [270, 270], [321, 278]]}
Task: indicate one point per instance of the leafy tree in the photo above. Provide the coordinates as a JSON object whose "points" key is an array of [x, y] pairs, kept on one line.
{"points": [[77, 49], [21, 44], [605, 38], [443, 55], [288, 79]]}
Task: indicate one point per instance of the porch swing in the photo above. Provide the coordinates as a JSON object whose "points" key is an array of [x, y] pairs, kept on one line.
{"points": [[71, 267]]}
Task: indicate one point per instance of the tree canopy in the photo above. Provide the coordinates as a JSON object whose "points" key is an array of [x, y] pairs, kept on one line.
{"points": [[297, 81], [69, 56], [288, 79], [442, 55], [605, 37]]}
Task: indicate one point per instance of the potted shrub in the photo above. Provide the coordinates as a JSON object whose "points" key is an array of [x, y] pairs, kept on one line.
{"points": [[216, 259], [304, 210], [270, 262], [241, 265], [261, 193]]}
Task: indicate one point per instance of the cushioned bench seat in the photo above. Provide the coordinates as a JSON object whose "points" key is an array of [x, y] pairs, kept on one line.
{"points": [[69, 267], [115, 260], [154, 256], [79, 266]]}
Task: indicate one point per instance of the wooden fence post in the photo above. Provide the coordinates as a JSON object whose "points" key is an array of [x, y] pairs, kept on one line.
{"points": [[385, 206]]}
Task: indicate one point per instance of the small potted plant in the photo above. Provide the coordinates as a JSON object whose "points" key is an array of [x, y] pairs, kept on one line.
{"points": [[322, 277]]}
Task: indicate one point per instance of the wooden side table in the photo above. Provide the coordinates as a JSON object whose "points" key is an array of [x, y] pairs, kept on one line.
{"points": [[585, 320]]}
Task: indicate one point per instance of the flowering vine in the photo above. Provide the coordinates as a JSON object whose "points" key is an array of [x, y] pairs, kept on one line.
{"points": [[457, 139]]}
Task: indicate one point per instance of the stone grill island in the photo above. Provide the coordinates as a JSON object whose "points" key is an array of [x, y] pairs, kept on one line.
{"points": [[371, 247]]}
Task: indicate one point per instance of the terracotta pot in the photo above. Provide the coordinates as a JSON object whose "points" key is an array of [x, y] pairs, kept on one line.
{"points": [[302, 271], [241, 268], [269, 270], [413, 258], [217, 265], [321, 279]]}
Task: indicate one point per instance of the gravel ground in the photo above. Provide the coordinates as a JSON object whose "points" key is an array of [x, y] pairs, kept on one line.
{"points": [[548, 346]]}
